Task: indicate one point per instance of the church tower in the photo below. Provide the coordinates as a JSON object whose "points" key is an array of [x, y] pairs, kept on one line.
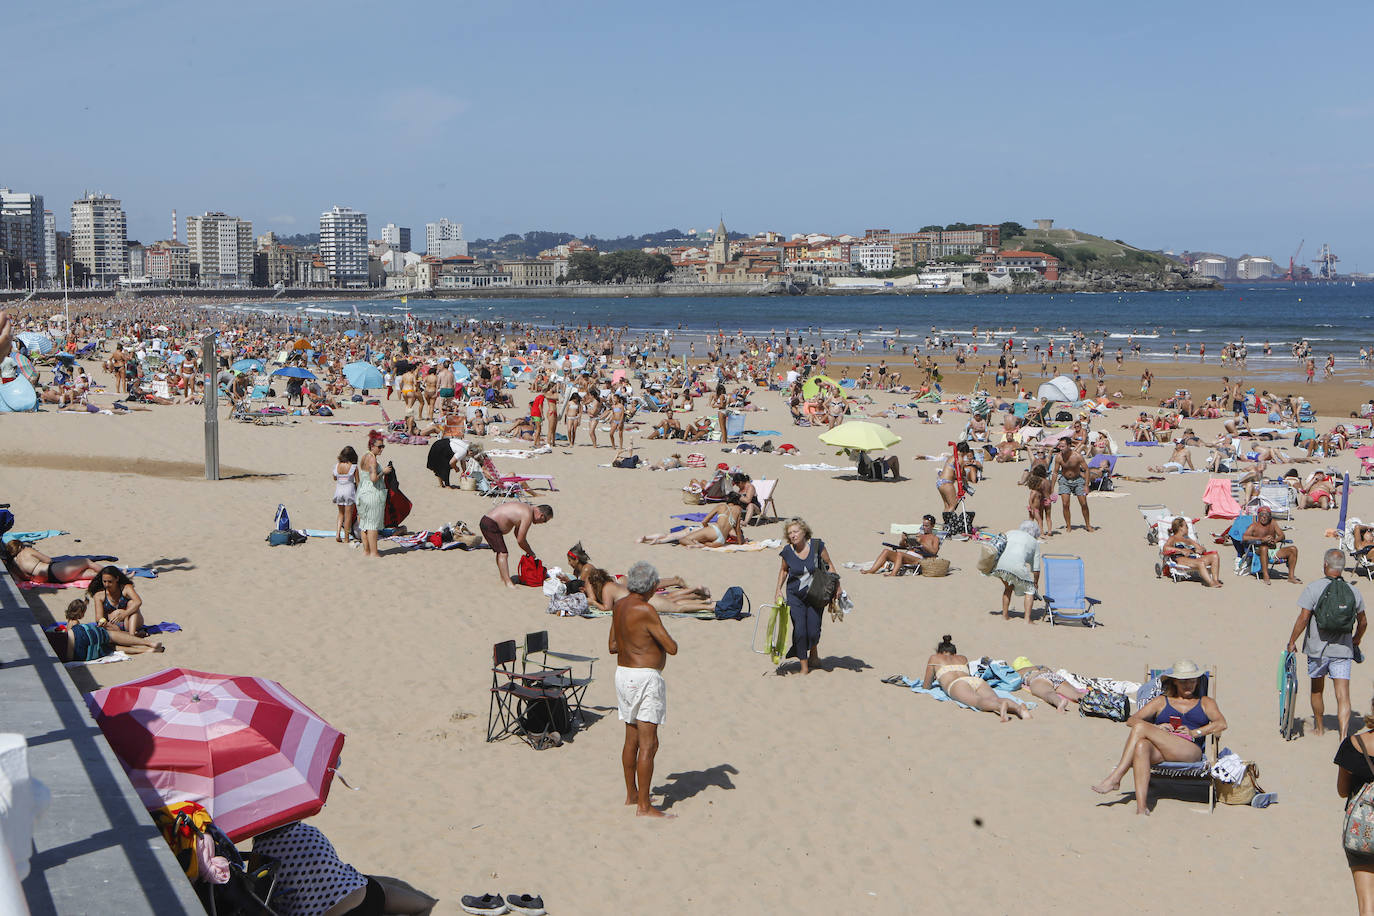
{"points": [[720, 245]]}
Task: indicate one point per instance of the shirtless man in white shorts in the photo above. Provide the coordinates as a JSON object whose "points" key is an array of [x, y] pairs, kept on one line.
{"points": [[641, 646]]}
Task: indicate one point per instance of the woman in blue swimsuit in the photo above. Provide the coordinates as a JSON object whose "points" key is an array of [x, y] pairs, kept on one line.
{"points": [[86, 642], [1170, 728]]}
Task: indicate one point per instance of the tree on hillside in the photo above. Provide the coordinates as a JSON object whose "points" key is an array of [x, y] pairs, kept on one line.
{"points": [[959, 227], [585, 266], [1010, 230], [935, 228], [979, 278]]}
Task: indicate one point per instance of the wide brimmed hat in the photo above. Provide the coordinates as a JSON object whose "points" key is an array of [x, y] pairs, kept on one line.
{"points": [[1184, 669]]}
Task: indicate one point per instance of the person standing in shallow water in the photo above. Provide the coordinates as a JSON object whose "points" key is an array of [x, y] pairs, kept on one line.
{"points": [[641, 646]]}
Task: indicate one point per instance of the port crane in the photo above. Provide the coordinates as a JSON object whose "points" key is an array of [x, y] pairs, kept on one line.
{"points": [[1293, 261], [1327, 260]]}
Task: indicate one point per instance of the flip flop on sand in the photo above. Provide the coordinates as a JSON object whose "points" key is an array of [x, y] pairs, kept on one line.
{"points": [[528, 904], [485, 904]]}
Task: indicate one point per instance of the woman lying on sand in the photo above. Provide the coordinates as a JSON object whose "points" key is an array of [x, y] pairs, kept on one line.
{"points": [[1043, 683], [31, 564], [722, 524], [950, 669], [603, 591], [1170, 728]]}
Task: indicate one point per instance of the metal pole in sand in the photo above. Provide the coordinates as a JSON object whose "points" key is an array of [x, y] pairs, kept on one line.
{"points": [[209, 357]]}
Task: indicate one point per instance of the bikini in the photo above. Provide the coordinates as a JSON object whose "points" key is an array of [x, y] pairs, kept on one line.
{"points": [[946, 669]]}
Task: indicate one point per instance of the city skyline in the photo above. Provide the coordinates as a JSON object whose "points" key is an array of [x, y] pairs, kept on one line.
{"points": [[1237, 132]]}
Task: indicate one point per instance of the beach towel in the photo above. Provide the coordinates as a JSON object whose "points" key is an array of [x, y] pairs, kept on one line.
{"points": [[691, 516], [1218, 500], [30, 537], [821, 467], [163, 627], [938, 692], [766, 544], [118, 655], [79, 583], [519, 452]]}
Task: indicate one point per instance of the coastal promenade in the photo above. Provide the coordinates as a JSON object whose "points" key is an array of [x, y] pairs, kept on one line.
{"points": [[96, 850]]}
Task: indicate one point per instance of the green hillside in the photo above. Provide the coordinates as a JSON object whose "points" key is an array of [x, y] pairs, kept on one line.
{"points": [[1082, 251]]}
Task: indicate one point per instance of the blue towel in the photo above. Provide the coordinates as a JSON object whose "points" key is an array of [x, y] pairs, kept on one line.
{"points": [[1143, 444], [762, 432], [140, 571], [28, 537], [938, 693], [690, 517], [163, 627]]}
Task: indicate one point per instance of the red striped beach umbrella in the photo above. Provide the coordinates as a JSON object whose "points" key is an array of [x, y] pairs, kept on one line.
{"points": [[245, 748]]}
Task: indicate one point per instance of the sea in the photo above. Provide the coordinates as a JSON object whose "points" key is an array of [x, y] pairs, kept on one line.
{"points": [[1332, 317]]}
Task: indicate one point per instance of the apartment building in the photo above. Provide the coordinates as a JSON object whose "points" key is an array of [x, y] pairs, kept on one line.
{"points": [[445, 240], [168, 263], [343, 245], [397, 238], [50, 262], [100, 237], [220, 248], [21, 229]]}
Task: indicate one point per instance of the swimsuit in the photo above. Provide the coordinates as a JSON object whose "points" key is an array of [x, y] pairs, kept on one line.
{"points": [[1193, 718], [89, 642], [946, 669]]}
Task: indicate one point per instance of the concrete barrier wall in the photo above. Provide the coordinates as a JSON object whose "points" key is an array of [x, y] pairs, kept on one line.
{"points": [[96, 850]]}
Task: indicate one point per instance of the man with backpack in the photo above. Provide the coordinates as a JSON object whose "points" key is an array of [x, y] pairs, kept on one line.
{"points": [[1332, 614]]}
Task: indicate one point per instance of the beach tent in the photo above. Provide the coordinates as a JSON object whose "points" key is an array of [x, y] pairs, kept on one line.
{"points": [[18, 396], [1061, 388], [812, 385]]}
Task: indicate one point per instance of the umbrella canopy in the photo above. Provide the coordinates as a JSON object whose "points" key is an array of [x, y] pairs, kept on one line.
{"points": [[176, 359], [351, 333], [301, 344], [861, 436], [36, 342], [245, 748], [26, 366], [1060, 388], [294, 372], [576, 360], [247, 365], [813, 384], [461, 372], [363, 375]]}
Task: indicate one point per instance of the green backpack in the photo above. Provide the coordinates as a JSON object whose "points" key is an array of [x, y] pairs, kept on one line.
{"points": [[1335, 609]]}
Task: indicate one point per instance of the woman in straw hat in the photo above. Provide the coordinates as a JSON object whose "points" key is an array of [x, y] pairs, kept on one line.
{"points": [[1171, 728]]}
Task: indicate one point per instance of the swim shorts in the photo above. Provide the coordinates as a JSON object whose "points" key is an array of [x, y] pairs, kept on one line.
{"points": [[1338, 668], [492, 532], [1078, 486], [641, 694], [445, 392]]}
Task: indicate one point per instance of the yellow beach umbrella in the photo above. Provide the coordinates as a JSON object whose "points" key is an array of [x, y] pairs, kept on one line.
{"points": [[861, 436], [813, 384]]}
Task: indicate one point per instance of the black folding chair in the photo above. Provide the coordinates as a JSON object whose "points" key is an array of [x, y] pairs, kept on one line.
{"points": [[514, 692], [575, 687]]}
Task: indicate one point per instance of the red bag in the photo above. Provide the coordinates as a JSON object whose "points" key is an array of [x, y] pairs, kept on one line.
{"points": [[532, 571]]}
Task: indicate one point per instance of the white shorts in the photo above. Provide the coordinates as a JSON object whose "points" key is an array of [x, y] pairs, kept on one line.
{"points": [[641, 694]]}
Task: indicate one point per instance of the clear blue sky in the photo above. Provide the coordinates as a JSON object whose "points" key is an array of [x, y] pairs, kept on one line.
{"points": [[1226, 126]]}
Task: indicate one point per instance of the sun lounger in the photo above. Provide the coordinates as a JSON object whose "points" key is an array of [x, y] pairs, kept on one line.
{"points": [[1063, 587]]}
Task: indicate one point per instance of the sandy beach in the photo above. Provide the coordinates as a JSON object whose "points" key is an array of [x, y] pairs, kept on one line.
{"points": [[828, 793]]}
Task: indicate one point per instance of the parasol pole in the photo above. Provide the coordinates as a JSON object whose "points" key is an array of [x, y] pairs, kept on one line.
{"points": [[208, 357]]}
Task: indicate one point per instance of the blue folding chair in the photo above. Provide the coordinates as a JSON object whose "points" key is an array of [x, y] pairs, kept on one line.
{"points": [[1063, 590], [1247, 557], [734, 425]]}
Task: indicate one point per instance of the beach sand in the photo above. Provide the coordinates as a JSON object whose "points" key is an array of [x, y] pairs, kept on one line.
{"points": [[827, 793]]}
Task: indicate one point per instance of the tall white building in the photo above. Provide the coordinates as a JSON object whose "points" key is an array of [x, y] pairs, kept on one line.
{"points": [[873, 256], [99, 237], [222, 247], [343, 245], [397, 238], [445, 240], [21, 227], [50, 244]]}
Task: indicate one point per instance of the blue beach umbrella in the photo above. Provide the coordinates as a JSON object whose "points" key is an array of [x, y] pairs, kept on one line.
{"points": [[363, 375], [461, 372], [294, 372], [176, 359], [38, 343], [350, 333], [247, 365]]}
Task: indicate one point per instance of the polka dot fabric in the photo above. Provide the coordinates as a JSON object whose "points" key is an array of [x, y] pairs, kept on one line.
{"points": [[310, 877]]}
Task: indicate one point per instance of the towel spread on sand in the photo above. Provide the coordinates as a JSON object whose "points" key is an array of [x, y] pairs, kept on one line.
{"points": [[938, 693], [163, 627], [766, 544], [78, 583], [117, 655], [820, 467], [29, 537], [519, 452], [1218, 499]]}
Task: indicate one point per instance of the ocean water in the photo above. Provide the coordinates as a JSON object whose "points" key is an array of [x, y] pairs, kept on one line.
{"points": [[1334, 318]]}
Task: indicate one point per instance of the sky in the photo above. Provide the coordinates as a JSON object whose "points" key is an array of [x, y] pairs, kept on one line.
{"points": [[1230, 127]]}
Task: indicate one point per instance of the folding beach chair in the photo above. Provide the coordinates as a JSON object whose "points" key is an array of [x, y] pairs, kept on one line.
{"points": [[1176, 571], [1278, 497], [1063, 590], [522, 479], [1366, 455], [1202, 769], [765, 489], [734, 425], [1247, 557], [575, 687], [1102, 481], [513, 694], [1363, 565]]}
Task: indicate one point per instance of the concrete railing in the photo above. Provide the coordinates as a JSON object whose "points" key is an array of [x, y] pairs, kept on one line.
{"points": [[96, 849]]}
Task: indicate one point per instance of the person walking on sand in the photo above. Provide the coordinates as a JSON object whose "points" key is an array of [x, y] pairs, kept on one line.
{"points": [[641, 646], [1073, 481], [1331, 614], [508, 517]]}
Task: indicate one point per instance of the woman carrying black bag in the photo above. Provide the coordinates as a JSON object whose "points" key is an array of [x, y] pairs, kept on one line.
{"points": [[805, 559]]}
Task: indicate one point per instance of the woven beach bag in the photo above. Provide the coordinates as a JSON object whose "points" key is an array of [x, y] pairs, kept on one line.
{"points": [[936, 567], [1358, 826]]}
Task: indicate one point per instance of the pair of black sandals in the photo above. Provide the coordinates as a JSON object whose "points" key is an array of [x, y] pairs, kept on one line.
{"points": [[494, 904]]}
